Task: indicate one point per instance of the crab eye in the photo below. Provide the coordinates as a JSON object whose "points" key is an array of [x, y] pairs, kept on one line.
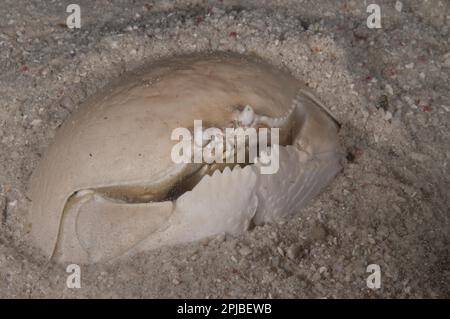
{"points": [[247, 116]]}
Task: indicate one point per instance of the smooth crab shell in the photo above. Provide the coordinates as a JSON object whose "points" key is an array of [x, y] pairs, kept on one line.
{"points": [[120, 138]]}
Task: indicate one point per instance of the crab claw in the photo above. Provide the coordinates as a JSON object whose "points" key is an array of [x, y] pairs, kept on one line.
{"points": [[222, 203], [99, 229], [299, 179]]}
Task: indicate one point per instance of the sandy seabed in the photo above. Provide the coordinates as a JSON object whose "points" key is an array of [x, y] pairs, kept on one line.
{"points": [[388, 87]]}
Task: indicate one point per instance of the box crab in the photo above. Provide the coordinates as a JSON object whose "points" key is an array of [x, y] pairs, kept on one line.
{"points": [[107, 186]]}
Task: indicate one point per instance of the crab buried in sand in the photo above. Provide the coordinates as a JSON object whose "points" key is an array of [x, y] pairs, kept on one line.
{"points": [[107, 187]]}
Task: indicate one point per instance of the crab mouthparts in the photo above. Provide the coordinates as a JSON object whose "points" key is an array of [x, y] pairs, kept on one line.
{"points": [[194, 172]]}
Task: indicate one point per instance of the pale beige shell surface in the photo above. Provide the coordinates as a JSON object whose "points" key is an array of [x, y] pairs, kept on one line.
{"points": [[121, 136]]}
